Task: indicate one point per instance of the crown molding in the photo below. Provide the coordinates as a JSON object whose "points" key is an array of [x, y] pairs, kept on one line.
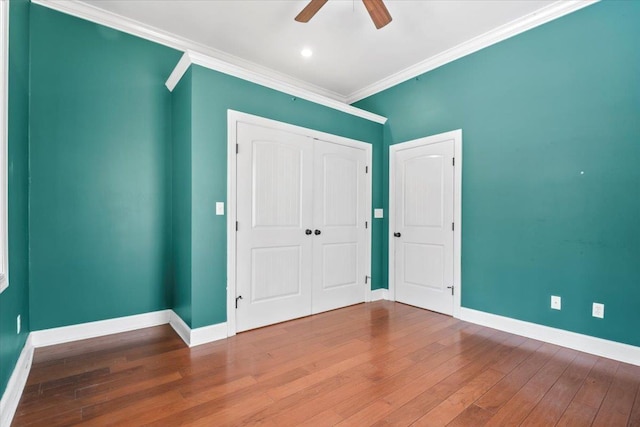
{"points": [[209, 58], [209, 62], [513, 28], [176, 75], [282, 86]]}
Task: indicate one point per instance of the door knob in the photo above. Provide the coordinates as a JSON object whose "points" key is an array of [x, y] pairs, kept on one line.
{"points": [[397, 234], [308, 232], [317, 232]]}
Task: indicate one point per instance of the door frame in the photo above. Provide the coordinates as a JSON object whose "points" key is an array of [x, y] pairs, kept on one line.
{"points": [[233, 118], [456, 136]]}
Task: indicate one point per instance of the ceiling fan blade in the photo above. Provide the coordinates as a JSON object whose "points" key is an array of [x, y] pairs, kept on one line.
{"points": [[378, 12], [310, 10]]}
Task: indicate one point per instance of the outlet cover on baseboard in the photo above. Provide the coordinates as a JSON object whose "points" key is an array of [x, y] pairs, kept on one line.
{"points": [[556, 302]]}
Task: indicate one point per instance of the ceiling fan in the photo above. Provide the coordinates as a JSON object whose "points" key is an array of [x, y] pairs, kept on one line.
{"points": [[376, 8]]}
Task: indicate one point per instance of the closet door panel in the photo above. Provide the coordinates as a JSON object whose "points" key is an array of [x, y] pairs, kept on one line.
{"points": [[274, 205], [339, 250]]}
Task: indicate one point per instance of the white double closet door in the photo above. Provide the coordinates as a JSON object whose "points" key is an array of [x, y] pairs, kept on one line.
{"points": [[302, 238]]}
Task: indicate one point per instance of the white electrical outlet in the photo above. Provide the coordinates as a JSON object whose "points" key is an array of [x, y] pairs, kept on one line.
{"points": [[219, 208], [18, 324], [378, 213], [598, 310], [556, 302]]}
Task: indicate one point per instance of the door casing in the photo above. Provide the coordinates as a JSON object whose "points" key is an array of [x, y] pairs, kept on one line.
{"points": [[456, 136], [233, 117]]}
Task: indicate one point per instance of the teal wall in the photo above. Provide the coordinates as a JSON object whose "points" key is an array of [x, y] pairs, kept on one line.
{"points": [[100, 153], [181, 196], [15, 299], [536, 111], [212, 95]]}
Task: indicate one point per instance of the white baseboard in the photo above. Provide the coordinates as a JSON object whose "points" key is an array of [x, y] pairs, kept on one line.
{"points": [[197, 336], [191, 337], [100, 328], [208, 334], [181, 328], [15, 386], [379, 294], [585, 343]]}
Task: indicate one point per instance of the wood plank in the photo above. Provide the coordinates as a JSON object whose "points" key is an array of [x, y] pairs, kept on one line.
{"points": [[232, 399], [597, 383], [290, 387], [472, 416], [577, 414], [558, 398], [229, 413], [458, 402], [72, 417], [525, 400], [502, 392], [634, 417], [356, 382], [368, 415], [488, 376], [118, 414], [409, 404], [618, 403], [325, 418]]}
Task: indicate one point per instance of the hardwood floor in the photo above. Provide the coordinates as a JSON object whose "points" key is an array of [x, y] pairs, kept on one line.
{"points": [[378, 364]]}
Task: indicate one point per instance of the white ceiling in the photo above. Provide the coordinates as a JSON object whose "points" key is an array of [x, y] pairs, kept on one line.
{"points": [[349, 54]]}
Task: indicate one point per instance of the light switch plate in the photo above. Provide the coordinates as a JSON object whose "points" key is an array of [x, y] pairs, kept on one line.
{"points": [[378, 213], [556, 302], [219, 208]]}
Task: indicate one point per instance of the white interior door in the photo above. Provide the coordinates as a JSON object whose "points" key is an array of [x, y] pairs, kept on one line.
{"points": [[274, 212], [422, 226], [340, 220]]}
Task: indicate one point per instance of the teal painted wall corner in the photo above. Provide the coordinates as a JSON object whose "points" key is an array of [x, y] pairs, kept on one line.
{"points": [[181, 197], [14, 300], [100, 196], [550, 170]]}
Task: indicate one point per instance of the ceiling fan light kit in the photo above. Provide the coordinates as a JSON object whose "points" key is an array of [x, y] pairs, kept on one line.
{"points": [[376, 8]]}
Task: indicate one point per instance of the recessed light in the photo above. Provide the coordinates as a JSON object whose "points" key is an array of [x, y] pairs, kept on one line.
{"points": [[306, 52]]}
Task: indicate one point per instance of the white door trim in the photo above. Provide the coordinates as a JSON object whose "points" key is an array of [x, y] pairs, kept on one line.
{"points": [[456, 135], [233, 117]]}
